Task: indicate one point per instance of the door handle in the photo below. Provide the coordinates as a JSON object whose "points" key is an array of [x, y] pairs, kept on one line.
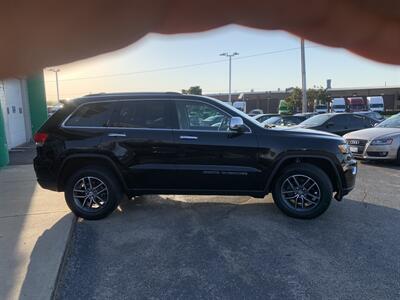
{"points": [[117, 134], [188, 137]]}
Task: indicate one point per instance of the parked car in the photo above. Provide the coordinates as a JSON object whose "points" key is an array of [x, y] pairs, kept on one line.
{"points": [[338, 105], [376, 104], [51, 109], [210, 121], [283, 121], [307, 115], [255, 112], [261, 118], [283, 108], [379, 143], [356, 104], [338, 123], [97, 149], [240, 105], [373, 115], [321, 108]]}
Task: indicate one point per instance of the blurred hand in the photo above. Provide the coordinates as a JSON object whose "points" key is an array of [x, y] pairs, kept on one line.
{"points": [[40, 34]]}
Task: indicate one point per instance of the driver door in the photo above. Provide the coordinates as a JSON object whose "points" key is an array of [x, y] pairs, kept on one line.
{"points": [[210, 156]]}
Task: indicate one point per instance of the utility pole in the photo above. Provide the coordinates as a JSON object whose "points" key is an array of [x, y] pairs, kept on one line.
{"points": [[303, 77], [230, 72], [56, 72]]}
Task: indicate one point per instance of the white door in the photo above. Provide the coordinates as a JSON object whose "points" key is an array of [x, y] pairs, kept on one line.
{"points": [[15, 113]]}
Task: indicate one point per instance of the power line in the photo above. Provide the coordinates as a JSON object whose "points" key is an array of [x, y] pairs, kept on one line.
{"points": [[183, 66]]}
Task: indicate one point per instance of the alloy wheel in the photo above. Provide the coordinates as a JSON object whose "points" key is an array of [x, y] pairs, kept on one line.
{"points": [[90, 193], [301, 192]]}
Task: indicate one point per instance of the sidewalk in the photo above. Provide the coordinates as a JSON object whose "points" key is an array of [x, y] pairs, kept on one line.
{"points": [[35, 225]]}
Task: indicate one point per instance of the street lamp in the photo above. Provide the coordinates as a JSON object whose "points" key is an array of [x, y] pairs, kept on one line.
{"points": [[230, 72], [303, 77], [56, 72]]}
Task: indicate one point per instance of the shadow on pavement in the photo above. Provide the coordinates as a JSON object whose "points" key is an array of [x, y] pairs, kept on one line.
{"points": [[45, 261], [159, 248], [16, 194]]}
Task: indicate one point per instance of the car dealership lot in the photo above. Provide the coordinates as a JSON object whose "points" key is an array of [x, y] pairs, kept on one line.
{"points": [[240, 247]]}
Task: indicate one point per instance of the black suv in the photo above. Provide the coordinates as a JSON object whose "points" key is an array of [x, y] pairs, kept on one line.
{"points": [[101, 148]]}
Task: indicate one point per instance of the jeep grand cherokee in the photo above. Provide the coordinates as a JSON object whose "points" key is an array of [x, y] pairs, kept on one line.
{"points": [[99, 148]]}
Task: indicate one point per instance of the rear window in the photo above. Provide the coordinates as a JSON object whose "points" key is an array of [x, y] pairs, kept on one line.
{"points": [[91, 115]]}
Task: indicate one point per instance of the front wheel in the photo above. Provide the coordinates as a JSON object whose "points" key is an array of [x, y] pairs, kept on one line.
{"points": [[303, 191], [93, 193]]}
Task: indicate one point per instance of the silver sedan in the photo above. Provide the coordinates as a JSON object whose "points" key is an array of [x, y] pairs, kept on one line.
{"points": [[379, 143]]}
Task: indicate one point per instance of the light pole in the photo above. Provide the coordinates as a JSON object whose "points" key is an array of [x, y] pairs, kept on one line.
{"points": [[56, 72], [303, 77], [230, 72]]}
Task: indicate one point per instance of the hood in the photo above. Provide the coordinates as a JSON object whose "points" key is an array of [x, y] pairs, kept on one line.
{"points": [[372, 133], [302, 130]]}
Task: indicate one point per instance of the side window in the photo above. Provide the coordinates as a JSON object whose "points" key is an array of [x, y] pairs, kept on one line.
{"points": [[144, 114], [194, 115], [357, 121], [339, 121], [92, 115]]}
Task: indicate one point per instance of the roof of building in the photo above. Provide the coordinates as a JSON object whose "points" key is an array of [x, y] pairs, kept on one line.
{"points": [[363, 88]]}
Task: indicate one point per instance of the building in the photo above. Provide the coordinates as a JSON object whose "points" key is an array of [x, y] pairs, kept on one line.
{"points": [[391, 95], [268, 101], [22, 111]]}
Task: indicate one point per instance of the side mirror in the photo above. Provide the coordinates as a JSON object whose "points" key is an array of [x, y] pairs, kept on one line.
{"points": [[236, 124], [329, 124]]}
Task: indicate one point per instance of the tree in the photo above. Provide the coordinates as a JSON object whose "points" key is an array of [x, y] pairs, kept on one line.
{"points": [[314, 96], [317, 96], [193, 90], [294, 100]]}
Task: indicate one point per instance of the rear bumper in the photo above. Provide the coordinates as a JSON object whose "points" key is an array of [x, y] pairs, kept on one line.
{"points": [[44, 175]]}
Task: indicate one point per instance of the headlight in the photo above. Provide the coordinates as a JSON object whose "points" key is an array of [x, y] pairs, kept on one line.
{"points": [[344, 148], [384, 141]]}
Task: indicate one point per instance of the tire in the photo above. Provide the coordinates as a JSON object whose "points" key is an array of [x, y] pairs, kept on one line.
{"points": [[305, 175], [76, 194]]}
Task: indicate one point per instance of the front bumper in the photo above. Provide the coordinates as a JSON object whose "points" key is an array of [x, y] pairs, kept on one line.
{"points": [[348, 179], [365, 151]]}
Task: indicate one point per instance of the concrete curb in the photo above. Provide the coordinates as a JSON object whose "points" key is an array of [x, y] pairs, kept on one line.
{"points": [[64, 257]]}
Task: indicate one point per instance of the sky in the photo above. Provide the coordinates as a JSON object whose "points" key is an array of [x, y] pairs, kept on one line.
{"points": [[268, 60]]}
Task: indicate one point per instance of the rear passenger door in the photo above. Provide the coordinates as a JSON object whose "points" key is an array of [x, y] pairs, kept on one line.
{"points": [[87, 125], [337, 124], [140, 138], [357, 122]]}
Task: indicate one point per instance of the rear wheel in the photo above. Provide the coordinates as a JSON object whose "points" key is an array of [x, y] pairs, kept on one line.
{"points": [[93, 193], [303, 191]]}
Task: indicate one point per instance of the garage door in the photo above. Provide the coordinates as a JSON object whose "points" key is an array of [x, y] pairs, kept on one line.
{"points": [[15, 114]]}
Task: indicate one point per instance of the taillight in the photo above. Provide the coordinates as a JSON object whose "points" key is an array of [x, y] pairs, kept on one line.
{"points": [[40, 138]]}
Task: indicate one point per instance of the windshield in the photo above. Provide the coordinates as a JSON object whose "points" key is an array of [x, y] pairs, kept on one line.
{"points": [[376, 105], [316, 120], [339, 106], [392, 122]]}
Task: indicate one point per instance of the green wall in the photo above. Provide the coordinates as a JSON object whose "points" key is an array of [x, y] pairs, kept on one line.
{"points": [[37, 101], [4, 158]]}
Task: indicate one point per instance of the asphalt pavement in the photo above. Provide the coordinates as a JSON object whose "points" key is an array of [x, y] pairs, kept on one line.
{"points": [[197, 247]]}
